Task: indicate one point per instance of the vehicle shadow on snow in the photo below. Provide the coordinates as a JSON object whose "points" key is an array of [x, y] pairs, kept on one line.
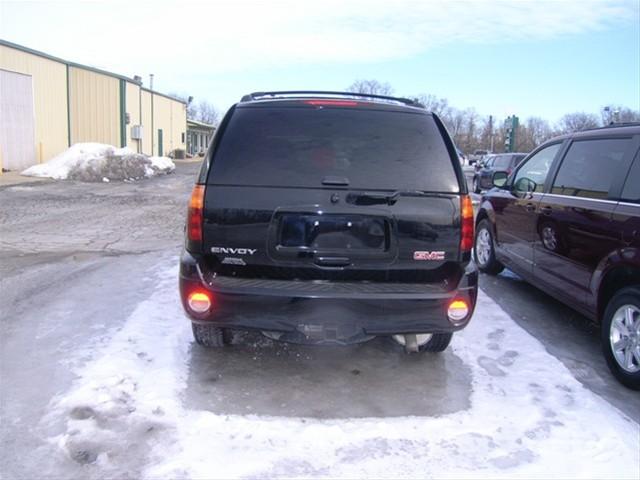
{"points": [[256, 375]]}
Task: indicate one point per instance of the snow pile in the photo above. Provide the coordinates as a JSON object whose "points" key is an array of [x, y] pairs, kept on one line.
{"points": [[97, 162], [529, 417]]}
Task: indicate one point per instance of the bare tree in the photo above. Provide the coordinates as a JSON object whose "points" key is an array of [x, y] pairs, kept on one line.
{"points": [[533, 132], [470, 131], [486, 133], [372, 87], [203, 111], [577, 121], [619, 114], [192, 111], [207, 113], [439, 106]]}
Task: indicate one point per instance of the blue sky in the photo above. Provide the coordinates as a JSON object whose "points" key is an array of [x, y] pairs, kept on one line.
{"points": [[532, 58]]}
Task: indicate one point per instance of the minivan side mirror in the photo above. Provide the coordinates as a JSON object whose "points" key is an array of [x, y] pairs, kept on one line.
{"points": [[500, 179], [525, 185]]}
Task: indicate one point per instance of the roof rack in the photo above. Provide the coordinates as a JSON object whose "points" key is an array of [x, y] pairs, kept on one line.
{"points": [[303, 93], [622, 124], [607, 126]]}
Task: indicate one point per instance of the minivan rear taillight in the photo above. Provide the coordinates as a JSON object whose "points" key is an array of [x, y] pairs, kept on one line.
{"points": [[466, 215], [194, 215]]}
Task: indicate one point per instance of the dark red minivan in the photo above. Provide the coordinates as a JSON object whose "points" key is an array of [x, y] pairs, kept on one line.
{"points": [[568, 221]]}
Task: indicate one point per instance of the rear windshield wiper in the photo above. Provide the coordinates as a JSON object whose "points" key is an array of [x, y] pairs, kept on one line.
{"points": [[373, 198], [388, 198]]}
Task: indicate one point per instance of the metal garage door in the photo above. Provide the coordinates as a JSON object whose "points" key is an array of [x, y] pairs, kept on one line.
{"points": [[17, 138]]}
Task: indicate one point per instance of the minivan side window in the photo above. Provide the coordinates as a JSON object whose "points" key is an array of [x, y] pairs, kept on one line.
{"points": [[588, 167], [631, 190], [533, 173]]}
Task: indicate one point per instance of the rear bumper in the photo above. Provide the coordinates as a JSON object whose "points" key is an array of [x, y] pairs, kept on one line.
{"points": [[326, 310]]}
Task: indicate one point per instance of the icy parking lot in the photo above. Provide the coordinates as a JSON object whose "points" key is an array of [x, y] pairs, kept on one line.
{"points": [[524, 414], [101, 379]]}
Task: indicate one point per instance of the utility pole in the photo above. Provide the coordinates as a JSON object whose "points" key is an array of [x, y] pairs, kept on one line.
{"points": [[491, 133]]}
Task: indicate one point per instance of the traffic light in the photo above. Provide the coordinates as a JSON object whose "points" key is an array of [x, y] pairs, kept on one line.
{"points": [[511, 126]]}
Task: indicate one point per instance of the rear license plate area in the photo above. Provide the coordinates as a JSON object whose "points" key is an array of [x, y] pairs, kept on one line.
{"points": [[357, 233]]}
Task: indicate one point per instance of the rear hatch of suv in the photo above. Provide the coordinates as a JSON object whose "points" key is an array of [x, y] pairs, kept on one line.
{"points": [[333, 190]]}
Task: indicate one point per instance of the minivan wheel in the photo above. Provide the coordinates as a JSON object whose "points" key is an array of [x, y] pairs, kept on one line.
{"points": [[428, 342], [476, 185], [484, 250], [621, 336], [210, 336]]}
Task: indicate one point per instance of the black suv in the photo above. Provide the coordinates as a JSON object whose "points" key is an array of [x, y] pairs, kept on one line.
{"points": [[324, 217], [568, 221]]}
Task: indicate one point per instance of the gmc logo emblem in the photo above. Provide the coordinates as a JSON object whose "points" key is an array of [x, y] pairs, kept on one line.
{"points": [[428, 256]]}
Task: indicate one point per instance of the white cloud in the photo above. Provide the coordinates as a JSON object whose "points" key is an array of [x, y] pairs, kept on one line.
{"points": [[244, 35], [220, 50]]}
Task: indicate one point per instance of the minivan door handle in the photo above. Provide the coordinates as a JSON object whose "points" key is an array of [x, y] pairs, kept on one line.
{"points": [[546, 210], [529, 207]]}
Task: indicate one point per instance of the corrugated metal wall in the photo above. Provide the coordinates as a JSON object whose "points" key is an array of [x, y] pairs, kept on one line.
{"points": [[162, 120], [49, 98], [179, 125], [132, 107], [147, 122], [74, 104], [162, 113], [94, 103]]}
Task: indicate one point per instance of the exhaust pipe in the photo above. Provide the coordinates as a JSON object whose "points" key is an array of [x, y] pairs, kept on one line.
{"points": [[411, 343]]}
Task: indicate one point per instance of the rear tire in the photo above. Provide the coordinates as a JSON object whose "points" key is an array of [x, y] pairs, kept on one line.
{"points": [[484, 252], [438, 343], [431, 342], [209, 336], [621, 323]]}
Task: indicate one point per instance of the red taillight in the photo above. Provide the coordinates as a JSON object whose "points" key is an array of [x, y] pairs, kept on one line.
{"points": [[335, 103], [194, 215], [199, 302], [466, 213]]}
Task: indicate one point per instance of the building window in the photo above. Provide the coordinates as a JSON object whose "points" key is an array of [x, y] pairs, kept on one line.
{"points": [[182, 137]]}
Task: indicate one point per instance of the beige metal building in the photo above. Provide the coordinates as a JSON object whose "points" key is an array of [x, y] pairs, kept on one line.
{"points": [[47, 104]]}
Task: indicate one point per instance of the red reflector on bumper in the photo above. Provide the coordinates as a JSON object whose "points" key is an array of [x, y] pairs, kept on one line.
{"points": [[458, 310]]}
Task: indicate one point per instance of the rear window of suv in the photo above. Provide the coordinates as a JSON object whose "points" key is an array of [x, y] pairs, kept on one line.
{"points": [[300, 146], [502, 161]]}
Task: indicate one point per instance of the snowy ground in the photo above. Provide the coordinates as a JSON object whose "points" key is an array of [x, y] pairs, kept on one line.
{"points": [[100, 378], [96, 162], [528, 416]]}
